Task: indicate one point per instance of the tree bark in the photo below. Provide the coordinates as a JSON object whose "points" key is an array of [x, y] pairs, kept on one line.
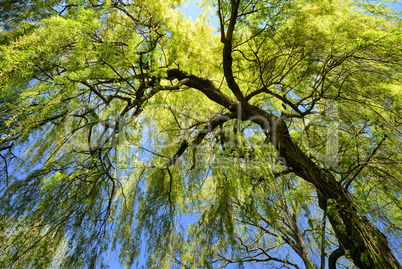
{"points": [[334, 256], [363, 243]]}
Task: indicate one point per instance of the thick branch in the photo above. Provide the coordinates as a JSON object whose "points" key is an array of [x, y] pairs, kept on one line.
{"points": [[353, 230], [203, 85], [227, 53], [334, 256]]}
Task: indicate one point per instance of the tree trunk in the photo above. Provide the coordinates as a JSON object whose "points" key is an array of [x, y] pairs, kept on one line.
{"points": [[363, 243]]}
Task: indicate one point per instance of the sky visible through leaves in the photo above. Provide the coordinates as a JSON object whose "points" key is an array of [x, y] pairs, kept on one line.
{"points": [[192, 10]]}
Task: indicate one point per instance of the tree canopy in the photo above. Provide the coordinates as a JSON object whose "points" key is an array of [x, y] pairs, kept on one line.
{"points": [[274, 140]]}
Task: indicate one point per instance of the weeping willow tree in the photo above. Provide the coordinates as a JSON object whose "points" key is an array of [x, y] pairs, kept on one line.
{"points": [[273, 141]]}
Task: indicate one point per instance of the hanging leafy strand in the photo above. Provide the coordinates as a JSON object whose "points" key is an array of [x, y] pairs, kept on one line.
{"points": [[128, 128]]}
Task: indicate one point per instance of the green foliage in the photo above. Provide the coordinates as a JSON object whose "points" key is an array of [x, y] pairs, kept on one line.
{"points": [[119, 123]]}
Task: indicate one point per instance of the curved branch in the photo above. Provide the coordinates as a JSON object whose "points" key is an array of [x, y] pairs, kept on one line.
{"points": [[282, 98], [205, 86], [334, 256]]}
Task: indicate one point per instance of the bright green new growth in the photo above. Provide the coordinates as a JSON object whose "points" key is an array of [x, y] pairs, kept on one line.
{"points": [[277, 135]]}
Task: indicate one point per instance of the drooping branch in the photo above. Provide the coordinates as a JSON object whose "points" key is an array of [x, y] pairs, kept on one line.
{"points": [[353, 230], [350, 226]]}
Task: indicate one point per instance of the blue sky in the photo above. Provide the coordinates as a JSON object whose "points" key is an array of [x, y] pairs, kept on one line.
{"points": [[192, 10]]}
